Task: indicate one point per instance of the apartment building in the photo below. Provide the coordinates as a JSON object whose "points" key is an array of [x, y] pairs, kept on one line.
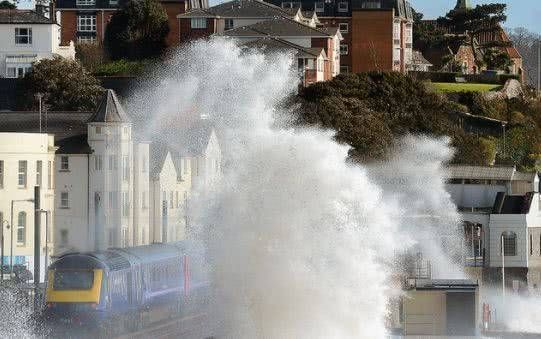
{"points": [[27, 36], [26, 160], [377, 34], [86, 20]]}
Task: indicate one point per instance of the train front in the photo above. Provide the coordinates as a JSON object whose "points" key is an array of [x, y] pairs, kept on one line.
{"points": [[76, 292]]}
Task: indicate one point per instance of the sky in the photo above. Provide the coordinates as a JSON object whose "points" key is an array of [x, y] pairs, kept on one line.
{"points": [[520, 13]]}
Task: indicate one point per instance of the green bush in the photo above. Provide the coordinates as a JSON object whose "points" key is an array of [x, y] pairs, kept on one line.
{"points": [[120, 67]]}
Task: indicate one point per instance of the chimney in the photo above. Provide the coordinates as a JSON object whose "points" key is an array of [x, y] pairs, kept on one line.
{"points": [[40, 8], [52, 11]]}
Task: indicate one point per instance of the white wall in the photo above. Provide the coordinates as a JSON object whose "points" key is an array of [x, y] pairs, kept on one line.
{"points": [[73, 220], [141, 211], [500, 223], [31, 147]]}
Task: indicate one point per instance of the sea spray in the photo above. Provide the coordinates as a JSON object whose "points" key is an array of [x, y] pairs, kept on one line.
{"points": [[302, 243]]}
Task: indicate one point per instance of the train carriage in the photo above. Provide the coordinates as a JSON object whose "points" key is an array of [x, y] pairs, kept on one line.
{"points": [[122, 290]]}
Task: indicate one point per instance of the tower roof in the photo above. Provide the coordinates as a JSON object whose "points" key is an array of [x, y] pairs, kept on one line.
{"points": [[463, 4], [110, 109]]}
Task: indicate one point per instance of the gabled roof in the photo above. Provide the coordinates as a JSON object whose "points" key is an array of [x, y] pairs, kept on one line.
{"points": [[270, 44], [158, 153], [419, 59], [278, 27], [110, 109], [240, 9], [20, 16]]}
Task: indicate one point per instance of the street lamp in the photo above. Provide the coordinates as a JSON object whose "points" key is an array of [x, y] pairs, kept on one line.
{"points": [[11, 235], [2, 253]]}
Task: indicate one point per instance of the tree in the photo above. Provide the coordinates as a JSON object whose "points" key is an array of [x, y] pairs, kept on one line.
{"points": [[470, 24], [137, 30], [526, 42], [7, 5], [495, 59], [427, 34], [64, 84]]}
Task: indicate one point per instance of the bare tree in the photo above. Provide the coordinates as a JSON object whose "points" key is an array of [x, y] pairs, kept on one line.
{"points": [[526, 42]]}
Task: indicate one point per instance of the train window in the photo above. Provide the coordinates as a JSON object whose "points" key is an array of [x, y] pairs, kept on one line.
{"points": [[73, 280]]}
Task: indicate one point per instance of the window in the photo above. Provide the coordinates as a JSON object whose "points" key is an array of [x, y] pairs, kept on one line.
{"points": [[177, 200], [86, 23], [21, 228], [344, 69], [228, 24], [22, 173], [144, 165], [18, 71], [98, 129], [113, 164], [171, 201], [124, 237], [86, 2], [39, 169], [126, 168], [344, 49], [289, 4], [86, 39], [531, 244], [23, 36], [49, 175], [319, 7], [125, 204], [396, 56], [1, 174], [371, 4], [343, 6], [63, 238], [98, 162], [344, 27], [113, 204], [509, 244], [64, 163], [73, 279], [396, 33], [113, 2], [199, 23], [64, 200]]}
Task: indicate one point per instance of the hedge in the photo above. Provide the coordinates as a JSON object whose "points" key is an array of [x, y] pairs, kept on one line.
{"points": [[435, 76]]}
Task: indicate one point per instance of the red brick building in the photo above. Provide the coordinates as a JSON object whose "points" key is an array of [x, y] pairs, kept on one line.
{"points": [[86, 20]]}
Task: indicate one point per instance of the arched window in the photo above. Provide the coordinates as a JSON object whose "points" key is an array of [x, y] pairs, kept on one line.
{"points": [[509, 243], [21, 228]]}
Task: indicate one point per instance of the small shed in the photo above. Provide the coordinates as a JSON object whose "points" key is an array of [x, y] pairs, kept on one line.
{"points": [[441, 308]]}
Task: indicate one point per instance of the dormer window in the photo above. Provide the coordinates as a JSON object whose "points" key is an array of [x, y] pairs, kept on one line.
{"points": [[343, 6], [228, 24]]}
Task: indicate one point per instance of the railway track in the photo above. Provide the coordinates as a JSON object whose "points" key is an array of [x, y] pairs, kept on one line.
{"points": [[185, 328]]}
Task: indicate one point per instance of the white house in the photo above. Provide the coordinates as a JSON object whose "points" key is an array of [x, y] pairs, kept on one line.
{"points": [[26, 160], [170, 189], [500, 205], [26, 36]]}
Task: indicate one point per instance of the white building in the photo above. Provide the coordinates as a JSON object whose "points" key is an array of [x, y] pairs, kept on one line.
{"points": [[27, 36], [500, 204], [26, 160]]}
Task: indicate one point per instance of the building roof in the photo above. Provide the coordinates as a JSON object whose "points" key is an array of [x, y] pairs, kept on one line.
{"points": [[110, 109], [20, 16], [69, 128], [445, 284], [270, 44], [402, 8], [277, 27], [481, 172], [419, 59], [240, 9]]}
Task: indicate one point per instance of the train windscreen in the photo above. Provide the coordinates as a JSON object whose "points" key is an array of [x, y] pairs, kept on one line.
{"points": [[73, 280]]}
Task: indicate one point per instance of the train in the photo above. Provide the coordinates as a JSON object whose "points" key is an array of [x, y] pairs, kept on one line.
{"points": [[123, 290]]}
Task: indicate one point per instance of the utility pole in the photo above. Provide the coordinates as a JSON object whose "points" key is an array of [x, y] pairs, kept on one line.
{"points": [[538, 67], [37, 245]]}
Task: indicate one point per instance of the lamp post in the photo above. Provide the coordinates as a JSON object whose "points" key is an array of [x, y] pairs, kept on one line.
{"points": [[11, 235], [47, 219], [2, 252]]}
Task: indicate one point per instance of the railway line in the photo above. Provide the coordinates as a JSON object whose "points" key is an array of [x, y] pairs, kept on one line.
{"points": [[187, 328]]}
